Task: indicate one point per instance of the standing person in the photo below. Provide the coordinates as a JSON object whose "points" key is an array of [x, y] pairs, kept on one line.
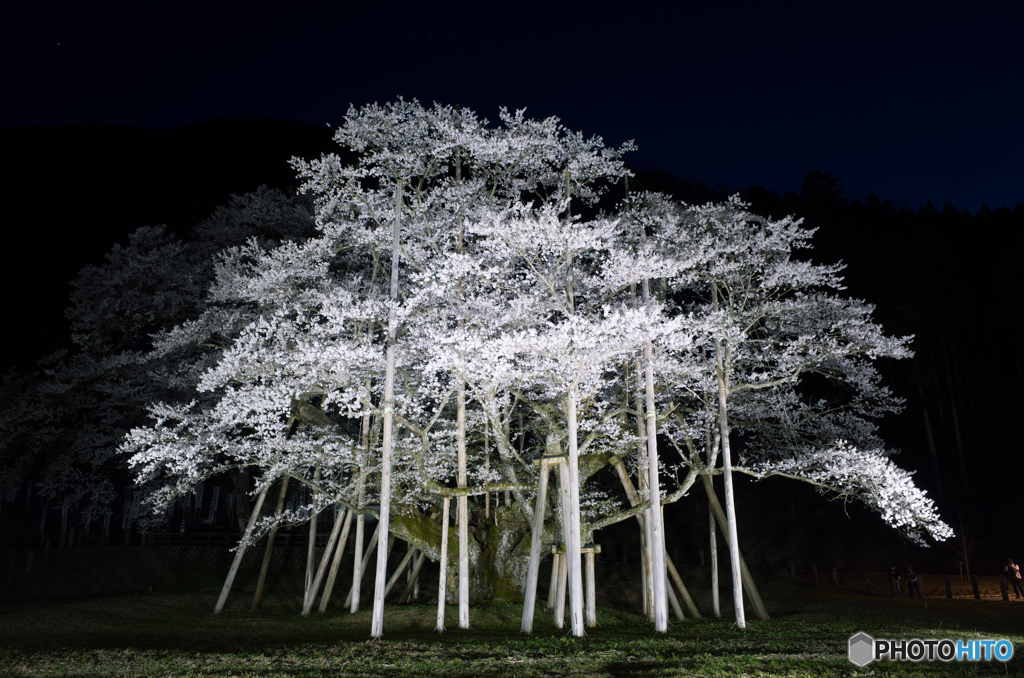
{"points": [[1012, 571], [913, 582], [894, 580]]}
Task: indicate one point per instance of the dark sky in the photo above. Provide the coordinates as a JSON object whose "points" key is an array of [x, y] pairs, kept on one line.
{"points": [[914, 101]]}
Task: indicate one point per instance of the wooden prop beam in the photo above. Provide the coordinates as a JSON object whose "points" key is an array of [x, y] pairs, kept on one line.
{"points": [[410, 586], [349, 600], [443, 578], [339, 552], [634, 500], [321, 570], [270, 547], [533, 573], [241, 551], [748, 581]]}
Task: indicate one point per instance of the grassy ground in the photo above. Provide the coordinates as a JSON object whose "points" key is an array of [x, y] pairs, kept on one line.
{"points": [[172, 632]]}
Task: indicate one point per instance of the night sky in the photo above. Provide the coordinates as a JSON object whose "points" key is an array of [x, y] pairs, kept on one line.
{"points": [[913, 102]]}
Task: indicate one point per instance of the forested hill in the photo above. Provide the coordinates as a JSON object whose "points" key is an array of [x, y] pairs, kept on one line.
{"points": [[68, 193]]}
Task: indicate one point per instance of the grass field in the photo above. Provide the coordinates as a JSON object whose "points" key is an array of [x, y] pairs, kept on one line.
{"points": [[173, 633]]}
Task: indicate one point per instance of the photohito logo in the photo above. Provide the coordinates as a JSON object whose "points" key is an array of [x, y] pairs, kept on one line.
{"points": [[864, 649]]}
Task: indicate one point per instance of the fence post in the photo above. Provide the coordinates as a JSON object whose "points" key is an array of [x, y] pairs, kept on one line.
{"points": [[1002, 586], [974, 585], [835, 578], [949, 590]]}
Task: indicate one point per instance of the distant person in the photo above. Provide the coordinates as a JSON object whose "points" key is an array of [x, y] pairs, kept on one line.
{"points": [[894, 580], [913, 582], [1012, 571]]}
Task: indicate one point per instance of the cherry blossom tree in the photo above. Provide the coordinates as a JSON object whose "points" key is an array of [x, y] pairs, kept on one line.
{"points": [[504, 318]]}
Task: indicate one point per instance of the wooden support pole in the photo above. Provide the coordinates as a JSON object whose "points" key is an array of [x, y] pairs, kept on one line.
{"points": [[443, 578], [357, 559], [339, 552], [414, 577], [353, 600], [687, 599], [591, 588], [311, 544], [377, 622], [748, 582], [553, 586], [270, 547], [240, 552], [563, 576], [533, 571], [401, 567], [321, 570], [674, 603], [716, 604]]}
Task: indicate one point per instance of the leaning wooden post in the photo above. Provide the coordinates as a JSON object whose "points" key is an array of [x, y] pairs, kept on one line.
{"points": [[634, 500], [683, 591], [410, 587], [241, 551], [377, 626], [311, 545], [353, 593], [563, 575], [533, 573], [321, 570], [748, 581], [669, 593], [339, 552], [443, 578], [401, 568], [270, 546]]}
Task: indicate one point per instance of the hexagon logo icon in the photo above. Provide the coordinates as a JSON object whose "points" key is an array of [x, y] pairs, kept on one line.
{"points": [[862, 649]]}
